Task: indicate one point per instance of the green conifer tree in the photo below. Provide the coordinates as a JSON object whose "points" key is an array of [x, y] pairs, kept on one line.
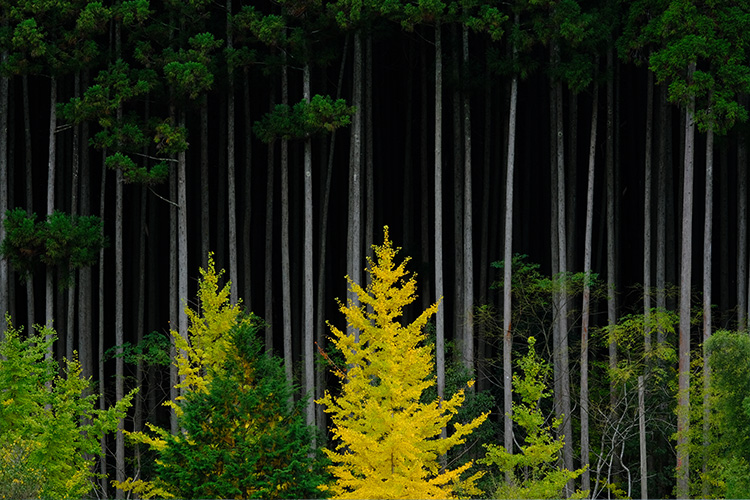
{"points": [[387, 441]]}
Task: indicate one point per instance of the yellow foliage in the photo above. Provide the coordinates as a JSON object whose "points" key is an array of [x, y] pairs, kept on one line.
{"points": [[208, 333], [388, 441]]}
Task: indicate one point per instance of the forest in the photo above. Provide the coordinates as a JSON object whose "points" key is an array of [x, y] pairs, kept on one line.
{"points": [[196, 190]]}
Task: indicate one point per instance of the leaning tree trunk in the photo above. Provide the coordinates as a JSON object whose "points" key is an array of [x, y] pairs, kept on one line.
{"points": [[508, 267], [683, 398], [586, 306]]}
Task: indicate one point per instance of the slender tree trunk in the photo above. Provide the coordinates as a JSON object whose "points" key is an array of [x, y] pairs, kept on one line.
{"points": [[286, 291], [309, 313], [425, 174], [119, 330], [642, 437], [232, 189], [611, 244], [75, 170], [174, 298], [586, 306], [647, 181], [468, 232], [182, 248], [459, 319], [724, 202], [742, 283], [707, 268], [100, 350], [4, 281], [683, 399], [440, 315], [49, 290], [508, 266], [30, 313], [571, 179], [205, 196], [320, 295], [247, 221], [369, 153], [661, 210], [140, 322], [268, 257], [354, 222], [85, 329]]}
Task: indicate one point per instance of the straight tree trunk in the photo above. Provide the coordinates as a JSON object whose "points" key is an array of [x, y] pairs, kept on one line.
{"points": [[30, 312], [205, 196], [231, 184], [286, 292], [354, 220], [100, 351], [247, 221], [642, 437], [440, 315], [647, 181], [707, 320], [683, 398], [369, 154], [425, 173], [571, 179], [49, 289], [85, 327], [661, 210], [468, 232], [459, 320], [268, 257], [4, 281], [140, 321], [119, 329], [75, 170], [611, 244], [742, 283], [586, 306], [508, 268], [309, 313], [320, 295]]}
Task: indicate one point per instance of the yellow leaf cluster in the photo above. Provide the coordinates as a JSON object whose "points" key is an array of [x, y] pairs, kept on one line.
{"points": [[388, 440]]}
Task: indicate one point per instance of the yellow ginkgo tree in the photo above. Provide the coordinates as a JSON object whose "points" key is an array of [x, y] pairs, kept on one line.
{"points": [[386, 439]]}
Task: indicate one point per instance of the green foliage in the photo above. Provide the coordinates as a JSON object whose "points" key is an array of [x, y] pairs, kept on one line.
{"points": [[320, 115], [728, 450], [49, 429], [533, 471], [240, 438], [63, 241], [388, 440]]}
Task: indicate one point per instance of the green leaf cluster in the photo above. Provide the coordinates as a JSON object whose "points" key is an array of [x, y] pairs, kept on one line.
{"points": [[305, 119], [240, 438], [49, 429], [60, 240], [533, 471]]}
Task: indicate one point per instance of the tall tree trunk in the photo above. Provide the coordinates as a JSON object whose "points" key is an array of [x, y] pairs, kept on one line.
{"points": [[119, 333], [49, 289], [309, 313], [468, 233], [286, 291], [611, 243], [440, 315], [205, 196], [459, 325], [75, 170], [508, 266], [369, 153], [424, 168], [683, 398], [586, 306], [268, 256], [85, 327], [571, 179], [30, 312], [247, 221], [320, 292], [742, 283], [100, 351], [661, 210], [4, 285], [140, 321], [647, 181], [642, 437], [707, 255], [231, 187], [354, 220]]}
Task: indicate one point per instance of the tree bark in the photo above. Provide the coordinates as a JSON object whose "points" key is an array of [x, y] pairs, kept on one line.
{"points": [[205, 195], [354, 220], [611, 244], [459, 326], [647, 181], [586, 306], [247, 221], [440, 315], [285, 264], [661, 210], [30, 312], [642, 437], [742, 283], [468, 231], [231, 184], [268, 256], [683, 399], [4, 281], [309, 313], [51, 170], [707, 319]]}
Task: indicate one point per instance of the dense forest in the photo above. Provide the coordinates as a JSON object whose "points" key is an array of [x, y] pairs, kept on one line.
{"points": [[567, 176]]}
